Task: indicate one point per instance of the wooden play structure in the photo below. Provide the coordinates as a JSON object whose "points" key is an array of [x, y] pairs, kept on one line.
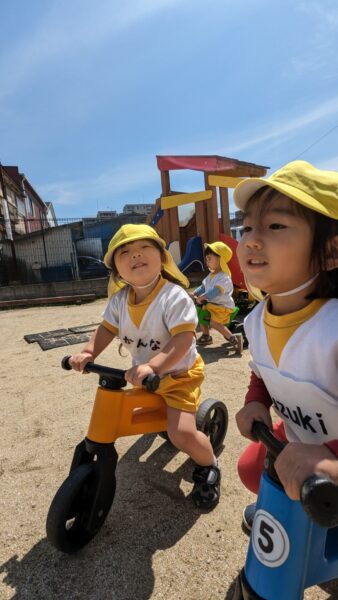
{"points": [[220, 174]]}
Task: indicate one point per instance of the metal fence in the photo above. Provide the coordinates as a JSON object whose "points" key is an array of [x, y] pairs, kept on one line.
{"points": [[43, 251], [73, 249]]}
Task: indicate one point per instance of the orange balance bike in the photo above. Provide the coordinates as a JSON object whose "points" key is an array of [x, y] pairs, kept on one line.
{"points": [[83, 501]]}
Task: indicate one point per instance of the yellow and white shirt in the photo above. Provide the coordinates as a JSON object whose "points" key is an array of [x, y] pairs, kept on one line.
{"points": [[146, 328], [223, 282]]}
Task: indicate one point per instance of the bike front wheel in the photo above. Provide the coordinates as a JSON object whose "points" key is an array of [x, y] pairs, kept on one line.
{"points": [[67, 523]]}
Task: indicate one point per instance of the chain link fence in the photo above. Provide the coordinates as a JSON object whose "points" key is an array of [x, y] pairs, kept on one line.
{"points": [[69, 249], [73, 249]]}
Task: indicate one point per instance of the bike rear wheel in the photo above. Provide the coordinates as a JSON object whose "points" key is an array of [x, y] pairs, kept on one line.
{"points": [[212, 419]]}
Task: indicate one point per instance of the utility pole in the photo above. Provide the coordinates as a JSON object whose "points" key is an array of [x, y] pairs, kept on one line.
{"points": [[4, 202], [8, 225]]}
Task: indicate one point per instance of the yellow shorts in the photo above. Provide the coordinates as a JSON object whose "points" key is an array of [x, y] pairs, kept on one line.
{"points": [[183, 391], [219, 314]]}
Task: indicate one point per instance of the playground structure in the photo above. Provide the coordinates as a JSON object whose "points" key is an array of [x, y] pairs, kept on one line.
{"points": [[220, 174]]}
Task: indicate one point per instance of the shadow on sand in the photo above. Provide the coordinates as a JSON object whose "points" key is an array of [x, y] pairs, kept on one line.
{"points": [[214, 354], [150, 513]]}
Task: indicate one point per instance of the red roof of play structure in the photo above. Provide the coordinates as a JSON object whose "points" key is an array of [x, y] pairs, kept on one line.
{"points": [[202, 162]]}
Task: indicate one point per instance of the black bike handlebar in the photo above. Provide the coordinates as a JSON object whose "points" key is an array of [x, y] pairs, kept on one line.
{"points": [[262, 433], [318, 494], [151, 382]]}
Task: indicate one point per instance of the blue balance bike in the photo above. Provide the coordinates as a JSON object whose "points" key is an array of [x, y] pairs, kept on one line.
{"points": [[293, 545]]}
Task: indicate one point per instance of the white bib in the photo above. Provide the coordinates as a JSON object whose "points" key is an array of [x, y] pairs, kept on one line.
{"points": [[304, 386]]}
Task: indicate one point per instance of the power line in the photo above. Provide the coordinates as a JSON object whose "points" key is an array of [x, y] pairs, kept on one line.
{"points": [[316, 141]]}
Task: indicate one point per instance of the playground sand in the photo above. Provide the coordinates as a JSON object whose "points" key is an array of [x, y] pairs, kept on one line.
{"points": [[154, 543]]}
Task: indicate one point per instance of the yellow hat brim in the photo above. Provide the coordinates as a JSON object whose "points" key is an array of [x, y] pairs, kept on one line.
{"points": [[132, 233], [313, 188], [133, 238]]}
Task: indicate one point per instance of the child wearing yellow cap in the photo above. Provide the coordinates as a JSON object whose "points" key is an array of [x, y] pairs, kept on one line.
{"points": [[215, 293], [289, 255], [155, 319]]}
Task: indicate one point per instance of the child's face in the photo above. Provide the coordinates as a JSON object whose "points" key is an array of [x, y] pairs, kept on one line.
{"points": [[138, 262], [274, 251], [212, 261]]}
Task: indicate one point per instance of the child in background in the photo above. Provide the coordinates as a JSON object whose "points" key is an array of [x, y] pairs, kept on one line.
{"points": [[156, 320], [289, 251], [216, 295]]}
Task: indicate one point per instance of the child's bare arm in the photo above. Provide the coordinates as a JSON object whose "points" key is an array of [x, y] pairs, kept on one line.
{"points": [[163, 362], [299, 461], [100, 339], [172, 353]]}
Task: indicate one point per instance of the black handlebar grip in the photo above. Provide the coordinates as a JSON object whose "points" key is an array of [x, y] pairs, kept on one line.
{"points": [[151, 382], [263, 434], [65, 363], [319, 497]]}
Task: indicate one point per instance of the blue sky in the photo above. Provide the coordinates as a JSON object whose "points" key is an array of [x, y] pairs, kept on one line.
{"points": [[92, 90]]}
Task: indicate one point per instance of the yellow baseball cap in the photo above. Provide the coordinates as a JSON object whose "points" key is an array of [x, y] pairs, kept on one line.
{"points": [[131, 233], [299, 180], [224, 252]]}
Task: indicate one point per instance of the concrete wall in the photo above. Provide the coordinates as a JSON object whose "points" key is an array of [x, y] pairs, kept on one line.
{"points": [[57, 288]]}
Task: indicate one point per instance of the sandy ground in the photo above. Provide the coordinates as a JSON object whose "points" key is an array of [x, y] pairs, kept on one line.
{"points": [[154, 543]]}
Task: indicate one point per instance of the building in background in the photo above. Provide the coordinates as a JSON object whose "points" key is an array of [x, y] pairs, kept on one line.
{"points": [[236, 223], [106, 214], [51, 216], [22, 210], [138, 209]]}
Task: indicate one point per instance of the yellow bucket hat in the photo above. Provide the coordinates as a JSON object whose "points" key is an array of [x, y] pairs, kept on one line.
{"points": [[131, 233], [314, 188], [224, 252]]}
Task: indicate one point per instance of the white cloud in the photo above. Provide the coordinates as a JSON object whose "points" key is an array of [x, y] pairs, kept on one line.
{"points": [[136, 173], [110, 185], [73, 27], [328, 163], [286, 128], [320, 54], [323, 13]]}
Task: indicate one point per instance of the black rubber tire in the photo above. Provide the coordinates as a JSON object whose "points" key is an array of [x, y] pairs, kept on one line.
{"points": [[238, 594], [212, 419], [72, 502]]}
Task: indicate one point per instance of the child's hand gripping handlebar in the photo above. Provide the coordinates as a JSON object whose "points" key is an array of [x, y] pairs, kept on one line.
{"points": [[151, 382], [318, 494]]}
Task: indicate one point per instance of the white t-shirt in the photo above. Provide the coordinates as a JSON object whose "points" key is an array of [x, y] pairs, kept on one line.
{"points": [[224, 282], [304, 386], [172, 308]]}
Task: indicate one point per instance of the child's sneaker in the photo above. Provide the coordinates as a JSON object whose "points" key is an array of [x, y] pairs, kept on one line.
{"points": [[248, 517], [206, 490], [204, 340], [236, 341]]}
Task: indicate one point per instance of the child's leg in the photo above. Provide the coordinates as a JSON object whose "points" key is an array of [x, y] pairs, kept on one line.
{"points": [[205, 330], [184, 435], [221, 328], [251, 462], [250, 466], [205, 338], [206, 475], [235, 340]]}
